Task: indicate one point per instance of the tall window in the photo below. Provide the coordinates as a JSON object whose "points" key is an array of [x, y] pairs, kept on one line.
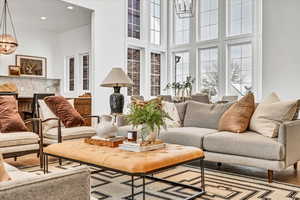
{"points": [[133, 70], [85, 72], [240, 15], [240, 68], [134, 18], [208, 19], [71, 73], [155, 74], [182, 30], [182, 65], [155, 22], [209, 70]]}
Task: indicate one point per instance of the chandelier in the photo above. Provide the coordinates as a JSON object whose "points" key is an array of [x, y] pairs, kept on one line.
{"points": [[8, 38], [185, 8]]}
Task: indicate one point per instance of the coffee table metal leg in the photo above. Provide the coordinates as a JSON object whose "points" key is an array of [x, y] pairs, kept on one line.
{"points": [[44, 163], [47, 164], [132, 187], [144, 185], [202, 174]]}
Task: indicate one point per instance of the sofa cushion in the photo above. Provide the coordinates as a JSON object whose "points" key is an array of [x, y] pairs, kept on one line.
{"points": [[64, 110], [248, 144], [18, 138], [236, 119], [17, 174], [270, 113], [171, 110], [189, 136], [204, 115], [10, 119], [181, 109], [46, 113], [71, 133]]}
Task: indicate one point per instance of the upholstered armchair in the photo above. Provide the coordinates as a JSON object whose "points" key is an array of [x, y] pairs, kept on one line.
{"points": [[15, 144]]}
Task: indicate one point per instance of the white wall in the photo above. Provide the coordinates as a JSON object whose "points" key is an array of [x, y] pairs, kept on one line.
{"points": [[72, 43], [281, 48], [108, 45], [33, 42]]}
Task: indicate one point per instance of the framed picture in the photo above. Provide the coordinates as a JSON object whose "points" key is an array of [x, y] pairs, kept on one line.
{"points": [[32, 66], [14, 70]]}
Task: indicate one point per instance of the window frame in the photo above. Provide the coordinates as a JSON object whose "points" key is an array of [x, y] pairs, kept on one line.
{"points": [[140, 69], [81, 89], [141, 20], [160, 24], [222, 43], [67, 74], [198, 24]]}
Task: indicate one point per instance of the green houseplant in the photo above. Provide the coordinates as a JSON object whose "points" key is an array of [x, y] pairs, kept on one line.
{"points": [[150, 116]]}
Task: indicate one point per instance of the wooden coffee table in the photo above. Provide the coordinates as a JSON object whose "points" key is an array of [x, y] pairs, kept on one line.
{"points": [[141, 164]]}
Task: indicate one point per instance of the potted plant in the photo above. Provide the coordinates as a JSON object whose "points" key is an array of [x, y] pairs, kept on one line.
{"points": [[149, 116], [188, 85]]}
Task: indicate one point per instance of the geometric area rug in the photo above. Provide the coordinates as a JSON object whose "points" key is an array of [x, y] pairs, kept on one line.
{"points": [[109, 185]]}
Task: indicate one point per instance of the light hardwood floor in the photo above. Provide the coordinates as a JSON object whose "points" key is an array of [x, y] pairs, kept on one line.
{"points": [[289, 175]]}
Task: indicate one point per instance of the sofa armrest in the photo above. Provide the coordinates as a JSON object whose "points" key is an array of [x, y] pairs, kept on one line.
{"points": [[289, 136], [69, 184]]}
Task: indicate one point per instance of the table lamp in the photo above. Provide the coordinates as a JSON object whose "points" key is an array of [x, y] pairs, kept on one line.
{"points": [[117, 78]]}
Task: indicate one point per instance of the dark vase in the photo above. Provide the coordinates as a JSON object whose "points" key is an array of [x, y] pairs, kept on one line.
{"points": [[116, 101]]}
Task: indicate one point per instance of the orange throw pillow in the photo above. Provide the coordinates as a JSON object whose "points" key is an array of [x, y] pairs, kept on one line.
{"points": [[237, 118], [3, 174], [64, 111], [10, 119]]}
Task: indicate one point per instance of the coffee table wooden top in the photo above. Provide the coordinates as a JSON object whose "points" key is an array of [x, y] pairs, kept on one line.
{"points": [[125, 161]]}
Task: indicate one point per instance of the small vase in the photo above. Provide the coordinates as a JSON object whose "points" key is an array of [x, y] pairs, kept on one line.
{"points": [[148, 135]]}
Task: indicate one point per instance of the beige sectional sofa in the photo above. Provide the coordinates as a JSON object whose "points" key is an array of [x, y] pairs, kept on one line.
{"points": [[69, 184], [249, 148]]}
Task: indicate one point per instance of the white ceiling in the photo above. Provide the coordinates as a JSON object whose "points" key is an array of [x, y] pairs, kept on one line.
{"points": [[27, 13]]}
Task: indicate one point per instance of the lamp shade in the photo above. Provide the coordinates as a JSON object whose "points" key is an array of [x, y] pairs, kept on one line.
{"points": [[117, 77]]}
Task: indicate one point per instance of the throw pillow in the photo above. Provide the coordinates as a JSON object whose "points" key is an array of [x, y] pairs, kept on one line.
{"points": [[237, 118], [64, 111], [10, 119], [3, 174], [171, 110], [46, 113], [181, 109], [270, 113], [204, 115]]}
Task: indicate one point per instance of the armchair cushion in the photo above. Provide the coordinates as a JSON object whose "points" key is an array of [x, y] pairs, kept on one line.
{"points": [[65, 111], [10, 120], [71, 133], [18, 138]]}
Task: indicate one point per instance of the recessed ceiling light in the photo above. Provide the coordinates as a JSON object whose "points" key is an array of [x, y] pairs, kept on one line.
{"points": [[70, 8], [43, 18]]}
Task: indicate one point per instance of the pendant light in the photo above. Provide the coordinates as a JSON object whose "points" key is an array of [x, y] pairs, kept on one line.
{"points": [[185, 8], [8, 37]]}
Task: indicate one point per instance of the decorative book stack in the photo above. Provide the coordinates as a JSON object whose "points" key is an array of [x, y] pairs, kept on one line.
{"points": [[109, 142], [138, 147]]}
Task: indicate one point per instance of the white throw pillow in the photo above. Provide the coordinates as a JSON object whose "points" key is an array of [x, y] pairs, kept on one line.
{"points": [[171, 110], [46, 113], [270, 113]]}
